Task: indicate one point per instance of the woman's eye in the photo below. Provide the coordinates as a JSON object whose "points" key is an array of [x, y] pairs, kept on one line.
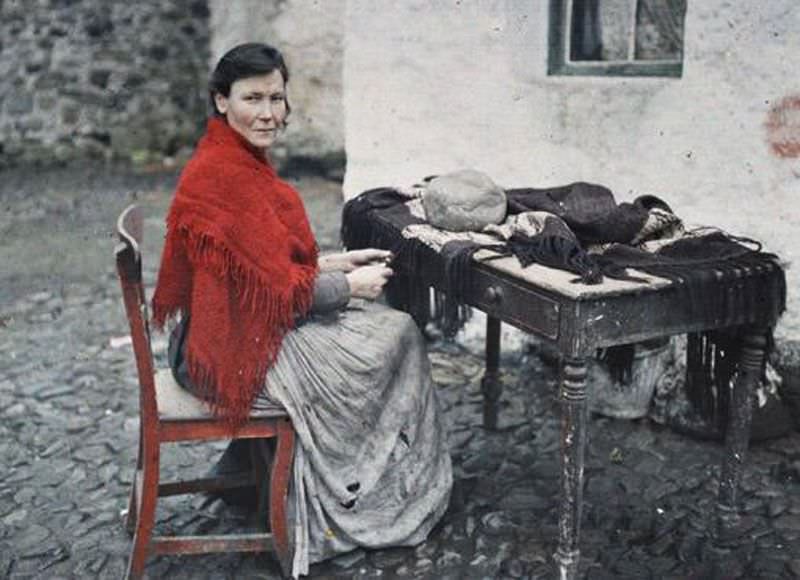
{"points": [[277, 98]]}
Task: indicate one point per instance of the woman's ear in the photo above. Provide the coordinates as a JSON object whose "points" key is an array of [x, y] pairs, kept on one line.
{"points": [[221, 101]]}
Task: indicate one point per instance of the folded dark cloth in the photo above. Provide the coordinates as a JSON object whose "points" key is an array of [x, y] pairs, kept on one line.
{"points": [[589, 210], [555, 246]]}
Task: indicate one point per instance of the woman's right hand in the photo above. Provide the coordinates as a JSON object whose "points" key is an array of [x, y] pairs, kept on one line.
{"points": [[368, 281]]}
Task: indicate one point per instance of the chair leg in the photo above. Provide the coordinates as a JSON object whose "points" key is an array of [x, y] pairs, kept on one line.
{"points": [[131, 517], [145, 510], [279, 491]]}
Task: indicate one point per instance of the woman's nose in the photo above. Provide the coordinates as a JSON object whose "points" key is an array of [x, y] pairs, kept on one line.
{"points": [[265, 110]]}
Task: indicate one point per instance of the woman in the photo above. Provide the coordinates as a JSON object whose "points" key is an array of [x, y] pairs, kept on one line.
{"points": [[264, 319]]}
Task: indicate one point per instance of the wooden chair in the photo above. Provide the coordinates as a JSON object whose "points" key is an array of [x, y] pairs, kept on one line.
{"points": [[168, 413]]}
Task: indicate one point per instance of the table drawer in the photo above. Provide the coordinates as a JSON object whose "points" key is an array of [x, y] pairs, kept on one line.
{"points": [[515, 303]]}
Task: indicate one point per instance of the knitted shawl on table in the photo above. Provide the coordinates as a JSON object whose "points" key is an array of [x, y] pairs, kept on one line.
{"points": [[241, 260], [579, 215]]}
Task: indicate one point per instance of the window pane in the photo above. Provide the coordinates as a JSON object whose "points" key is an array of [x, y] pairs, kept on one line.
{"points": [[585, 43], [616, 22], [659, 29], [601, 29]]}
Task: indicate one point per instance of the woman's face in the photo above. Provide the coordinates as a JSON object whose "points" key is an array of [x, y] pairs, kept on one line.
{"points": [[255, 108]]}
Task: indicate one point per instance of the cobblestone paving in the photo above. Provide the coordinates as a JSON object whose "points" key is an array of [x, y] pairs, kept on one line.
{"points": [[68, 423]]}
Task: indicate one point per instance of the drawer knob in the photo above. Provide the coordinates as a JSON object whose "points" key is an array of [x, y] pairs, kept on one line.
{"points": [[494, 294]]}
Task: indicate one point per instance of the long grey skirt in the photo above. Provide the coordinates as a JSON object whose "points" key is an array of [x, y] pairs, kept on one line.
{"points": [[371, 465]]}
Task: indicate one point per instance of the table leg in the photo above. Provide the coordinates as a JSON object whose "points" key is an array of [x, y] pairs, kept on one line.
{"points": [[573, 443], [737, 434], [491, 386]]}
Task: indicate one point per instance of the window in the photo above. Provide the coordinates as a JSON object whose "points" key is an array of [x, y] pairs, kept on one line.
{"points": [[616, 37]]}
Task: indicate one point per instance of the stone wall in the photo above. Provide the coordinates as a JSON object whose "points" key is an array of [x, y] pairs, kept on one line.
{"points": [[465, 84], [310, 35], [101, 79]]}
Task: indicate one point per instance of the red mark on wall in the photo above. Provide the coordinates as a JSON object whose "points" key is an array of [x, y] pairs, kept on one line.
{"points": [[783, 127]]}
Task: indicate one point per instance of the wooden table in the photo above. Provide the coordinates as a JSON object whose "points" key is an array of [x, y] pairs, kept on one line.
{"points": [[578, 319]]}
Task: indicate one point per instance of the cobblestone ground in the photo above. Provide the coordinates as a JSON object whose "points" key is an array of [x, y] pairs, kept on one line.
{"points": [[68, 424]]}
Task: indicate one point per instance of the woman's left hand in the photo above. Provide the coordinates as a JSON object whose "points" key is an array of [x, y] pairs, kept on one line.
{"points": [[349, 261]]}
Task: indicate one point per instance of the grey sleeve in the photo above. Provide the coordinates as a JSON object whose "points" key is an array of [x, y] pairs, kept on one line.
{"points": [[331, 292]]}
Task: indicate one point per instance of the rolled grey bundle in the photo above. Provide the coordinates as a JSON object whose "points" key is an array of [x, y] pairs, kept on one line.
{"points": [[464, 200]]}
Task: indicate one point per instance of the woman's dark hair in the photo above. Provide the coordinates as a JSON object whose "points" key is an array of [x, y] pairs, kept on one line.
{"points": [[246, 60]]}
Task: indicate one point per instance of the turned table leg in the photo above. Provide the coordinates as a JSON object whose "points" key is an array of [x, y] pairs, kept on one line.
{"points": [[573, 443], [737, 434], [491, 387]]}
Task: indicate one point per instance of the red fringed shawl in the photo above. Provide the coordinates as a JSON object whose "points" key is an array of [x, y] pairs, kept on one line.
{"points": [[239, 257]]}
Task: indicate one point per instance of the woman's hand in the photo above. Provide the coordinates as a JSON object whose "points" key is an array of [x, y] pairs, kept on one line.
{"points": [[368, 281], [349, 261]]}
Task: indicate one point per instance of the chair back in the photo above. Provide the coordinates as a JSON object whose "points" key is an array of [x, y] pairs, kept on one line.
{"points": [[130, 231]]}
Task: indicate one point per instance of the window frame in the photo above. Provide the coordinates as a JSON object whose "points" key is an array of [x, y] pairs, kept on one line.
{"points": [[559, 64]]}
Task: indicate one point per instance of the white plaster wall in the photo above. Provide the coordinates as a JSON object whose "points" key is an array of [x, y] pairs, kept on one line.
{"points": [[309, 33], [431, 87]]}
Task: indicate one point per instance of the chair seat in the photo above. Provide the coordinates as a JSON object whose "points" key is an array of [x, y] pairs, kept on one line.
{"points": [[177, 404]]}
